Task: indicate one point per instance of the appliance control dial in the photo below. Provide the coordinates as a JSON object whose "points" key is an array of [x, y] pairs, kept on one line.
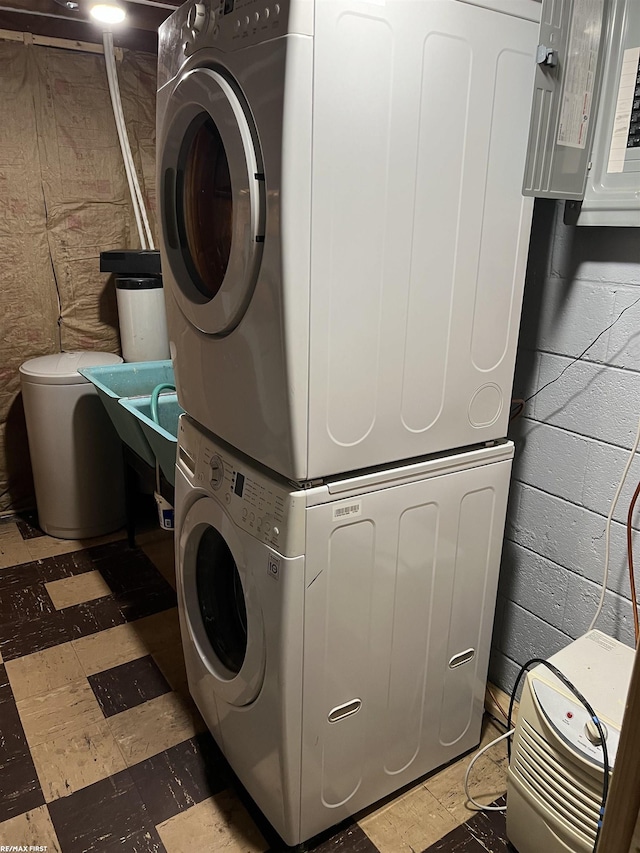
{"points": [[591, 731], [216, 471], [196, 18]]}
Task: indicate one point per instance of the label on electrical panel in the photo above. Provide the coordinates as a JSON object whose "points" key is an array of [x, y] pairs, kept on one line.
{"points": [[626, 122], [347, 509], [581, 65]]}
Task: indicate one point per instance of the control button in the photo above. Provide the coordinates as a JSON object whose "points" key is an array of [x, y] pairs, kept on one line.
{"points": [[227, 498], [256, 17], [246, 21], [252, 517], [245, 513], [266, 13], [276, 531], [592, 733], [276, 9], [569, 715], [238, 24]]}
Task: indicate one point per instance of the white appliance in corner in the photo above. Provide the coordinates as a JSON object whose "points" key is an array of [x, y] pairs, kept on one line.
{"points": [[337, 638], [554, 782], [344, 237]]}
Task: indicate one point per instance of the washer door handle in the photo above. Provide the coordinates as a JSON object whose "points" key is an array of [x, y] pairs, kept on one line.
{"points": [[346, 710]]}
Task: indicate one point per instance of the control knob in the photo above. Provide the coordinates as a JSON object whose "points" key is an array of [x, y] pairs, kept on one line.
{"points": [[592, 733], [216, 471], [196, 18]]}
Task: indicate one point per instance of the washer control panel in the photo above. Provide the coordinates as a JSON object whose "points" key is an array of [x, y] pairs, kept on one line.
{"points": [[233, 24]]}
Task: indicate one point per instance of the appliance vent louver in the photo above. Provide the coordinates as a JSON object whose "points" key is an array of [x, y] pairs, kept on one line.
{"points": [[556, 777], [558, 782]]}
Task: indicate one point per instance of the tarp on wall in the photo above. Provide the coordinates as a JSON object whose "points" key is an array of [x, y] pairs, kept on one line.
{"points": [[63, 200]]}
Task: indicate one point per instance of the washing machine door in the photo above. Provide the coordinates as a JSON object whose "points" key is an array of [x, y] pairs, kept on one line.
{"points": [[222, 607], [212, 204]]}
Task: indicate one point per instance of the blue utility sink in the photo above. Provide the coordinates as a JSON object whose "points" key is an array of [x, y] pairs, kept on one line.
{"points": [[132, 379], [163, 436]]}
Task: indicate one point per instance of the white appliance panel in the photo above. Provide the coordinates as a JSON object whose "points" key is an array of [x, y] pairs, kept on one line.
{"points": [[358, 644], [396, 596], [416, 273], [383, 318]]}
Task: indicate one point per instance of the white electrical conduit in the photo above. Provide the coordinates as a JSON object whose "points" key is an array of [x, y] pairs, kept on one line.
{"points": [[605, 577], [142, 221]]}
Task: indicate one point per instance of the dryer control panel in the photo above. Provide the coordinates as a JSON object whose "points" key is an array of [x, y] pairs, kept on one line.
{"points": [[234, 24], [257, 503]]}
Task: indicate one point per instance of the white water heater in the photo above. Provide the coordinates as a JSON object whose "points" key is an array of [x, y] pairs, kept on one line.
{"points": [[554, 782]]}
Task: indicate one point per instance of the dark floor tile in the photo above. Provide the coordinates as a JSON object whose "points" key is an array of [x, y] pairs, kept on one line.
{"points": [[128, 685], [92, 616], [459, 840], [180, 777], [347, 838], [32, 635], [27, 524], [21, 576], [145, 601], [485, 831], [19, 786], [106, 816], [491, 829], [19, 605]]}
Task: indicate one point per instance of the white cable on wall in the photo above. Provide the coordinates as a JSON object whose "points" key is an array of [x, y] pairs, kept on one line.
{"points": [[607, 539], [142, 221]]}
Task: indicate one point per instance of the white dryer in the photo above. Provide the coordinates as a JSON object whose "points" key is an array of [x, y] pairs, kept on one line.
{"points": [[337, 638], [344, 238]]}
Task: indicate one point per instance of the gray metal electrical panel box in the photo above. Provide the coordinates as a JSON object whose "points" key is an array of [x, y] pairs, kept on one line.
{"points": [[584, 137]]}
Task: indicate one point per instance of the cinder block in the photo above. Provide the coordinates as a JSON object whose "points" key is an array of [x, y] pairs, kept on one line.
{"points": [[566, 534], [590, 254], [525, 635], [583, 595], [623, 344], [603, 471], [503, 672], [588, 399], [550, 459], [572, 314], [534, 583]]}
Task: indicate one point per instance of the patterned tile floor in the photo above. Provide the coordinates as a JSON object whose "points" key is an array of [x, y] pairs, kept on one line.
{"points": [[102, 749]]}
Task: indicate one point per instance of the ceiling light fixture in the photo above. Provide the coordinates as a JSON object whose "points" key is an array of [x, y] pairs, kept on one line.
{"points": [[107, 13]]}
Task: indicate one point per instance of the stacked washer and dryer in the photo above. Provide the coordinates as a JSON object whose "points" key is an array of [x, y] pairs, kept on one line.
{"points": [[344, 243]]}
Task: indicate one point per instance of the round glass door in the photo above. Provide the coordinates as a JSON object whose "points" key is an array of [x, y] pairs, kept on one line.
{"points": [[220, 601], [205, 206], [212, 200]]}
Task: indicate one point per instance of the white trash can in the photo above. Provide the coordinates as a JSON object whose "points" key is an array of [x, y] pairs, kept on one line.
{"points": [[76, 454]]}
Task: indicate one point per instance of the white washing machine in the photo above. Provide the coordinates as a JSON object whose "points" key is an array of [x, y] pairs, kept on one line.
{"points": [[337, 638], [344, 238]]}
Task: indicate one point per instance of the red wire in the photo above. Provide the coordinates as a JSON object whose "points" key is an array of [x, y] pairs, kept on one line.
{"points": [[632, 582]]}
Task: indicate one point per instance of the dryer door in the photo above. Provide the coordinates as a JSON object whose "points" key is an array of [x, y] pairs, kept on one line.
{"points": [[211, 200], [223, 611]]}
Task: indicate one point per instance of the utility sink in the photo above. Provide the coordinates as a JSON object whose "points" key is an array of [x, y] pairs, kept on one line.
{"points": [[163, 436], [131, 380]]}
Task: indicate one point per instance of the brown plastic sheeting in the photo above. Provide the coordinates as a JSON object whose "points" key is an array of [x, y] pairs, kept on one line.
{"points": [[63, 199]]}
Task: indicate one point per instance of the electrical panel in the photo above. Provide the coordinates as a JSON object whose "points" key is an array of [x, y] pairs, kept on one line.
{"points": [[584, 136]]}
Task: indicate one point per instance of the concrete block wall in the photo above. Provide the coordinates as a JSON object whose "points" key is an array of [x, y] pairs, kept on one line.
{"points": [[572, 442]]}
